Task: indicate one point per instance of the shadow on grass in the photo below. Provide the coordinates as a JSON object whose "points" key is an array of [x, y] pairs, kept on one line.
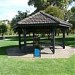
{"points": [[3, 49], [70, 43], [17, 39]]}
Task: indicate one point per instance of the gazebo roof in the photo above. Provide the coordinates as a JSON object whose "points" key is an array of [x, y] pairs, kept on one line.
{"points": [[42, 18]]}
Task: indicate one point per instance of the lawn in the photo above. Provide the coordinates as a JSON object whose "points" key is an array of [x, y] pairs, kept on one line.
{"points": [[19, 66]]}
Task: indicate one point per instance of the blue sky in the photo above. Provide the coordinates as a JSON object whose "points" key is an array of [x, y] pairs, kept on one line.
{"points": [[71, 5], [9, 8]]}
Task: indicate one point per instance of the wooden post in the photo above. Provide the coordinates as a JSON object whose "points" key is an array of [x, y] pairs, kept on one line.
{"points": [[33, 39], [63, 39], [24, 33], [67, 32], [53, 34], [19, 40], [53, 39]]}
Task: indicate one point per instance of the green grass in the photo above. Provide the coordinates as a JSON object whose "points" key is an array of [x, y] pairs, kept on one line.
{"points": [[37, 66], [69, 40], [19, 66]]}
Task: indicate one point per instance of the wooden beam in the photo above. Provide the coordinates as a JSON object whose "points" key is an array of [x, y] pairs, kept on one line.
{"points": [[19, 35]]}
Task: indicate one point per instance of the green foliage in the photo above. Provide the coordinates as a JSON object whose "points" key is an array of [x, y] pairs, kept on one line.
{"points": [[60, 3], [73, 23], [68, 15], [3, 28], [9, 30], [33, 66], [59, 6], [20, 16], [55, 11], [72, 19], [40, 4], [73, 26], [73, 9]]}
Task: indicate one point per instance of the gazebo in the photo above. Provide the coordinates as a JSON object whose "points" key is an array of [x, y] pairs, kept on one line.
{"points": [[43, 23]]}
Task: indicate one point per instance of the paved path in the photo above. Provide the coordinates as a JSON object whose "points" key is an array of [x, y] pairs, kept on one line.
{"points": [[45, 53]]}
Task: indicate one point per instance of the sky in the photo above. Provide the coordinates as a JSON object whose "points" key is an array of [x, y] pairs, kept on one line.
{"points": [[9, 8], [71, 5]]}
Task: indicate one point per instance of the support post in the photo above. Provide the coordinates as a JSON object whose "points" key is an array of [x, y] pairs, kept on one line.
{"points": [[24, 33], [53, 39], [63, 39], [19, 40], [53, 34], [33, 39]]}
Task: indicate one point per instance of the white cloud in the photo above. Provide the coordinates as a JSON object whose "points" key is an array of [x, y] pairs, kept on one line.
{"points": [[71, 5], [8, 15], [9, 8], [8, 3], [20, 2]]}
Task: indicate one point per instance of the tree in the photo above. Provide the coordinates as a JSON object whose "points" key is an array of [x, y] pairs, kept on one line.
{"points": [[54, 10], [9, 30], [3, 29], [46, 4], [40, 4], [60, 3], [72, 20], [20, 16], [73, 9]]}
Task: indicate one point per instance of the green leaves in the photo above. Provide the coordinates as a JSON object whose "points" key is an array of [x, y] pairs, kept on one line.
{"points": [[40, 4], [73, 9], [20, 16], [55, 11], [3, 28], [59, 6]]}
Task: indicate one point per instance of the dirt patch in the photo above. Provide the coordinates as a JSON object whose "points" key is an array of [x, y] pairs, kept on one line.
{"points": [[45, 53]]}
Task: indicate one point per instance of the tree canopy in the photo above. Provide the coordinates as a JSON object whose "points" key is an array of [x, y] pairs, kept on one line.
{"points": [[73, 9], [40, 4], [20, 16], [3, 28], [55, 11], [53, 7], [72, 19]]}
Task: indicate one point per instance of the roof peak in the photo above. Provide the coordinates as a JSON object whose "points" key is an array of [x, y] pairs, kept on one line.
{"points": [[41, 18]]}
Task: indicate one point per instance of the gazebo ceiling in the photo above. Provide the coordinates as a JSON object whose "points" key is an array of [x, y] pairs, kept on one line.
{"points": [[41, 18]]}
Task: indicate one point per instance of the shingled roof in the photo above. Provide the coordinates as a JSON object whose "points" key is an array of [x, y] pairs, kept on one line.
{"points": [[43, 18]]}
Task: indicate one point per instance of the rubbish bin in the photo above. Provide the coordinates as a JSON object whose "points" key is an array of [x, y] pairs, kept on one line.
{"points": [[37, 52]]}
